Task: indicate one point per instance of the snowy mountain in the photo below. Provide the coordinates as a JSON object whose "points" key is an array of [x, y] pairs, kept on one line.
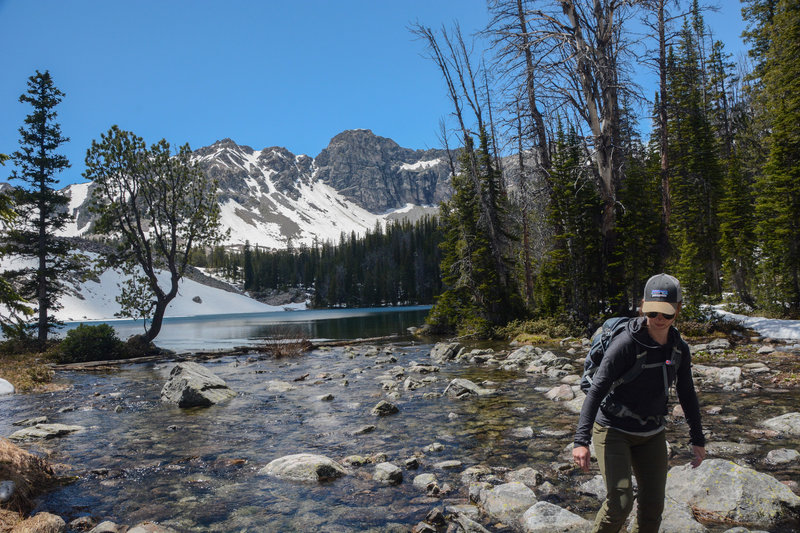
{"points": [[273, 198]]}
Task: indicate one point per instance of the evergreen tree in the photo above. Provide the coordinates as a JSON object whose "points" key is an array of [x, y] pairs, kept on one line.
{"points": [[249, 273], [697, 175], [778, 188], [574, 266], [479, 294], [15, 306], [640, 219], [40, 208]]}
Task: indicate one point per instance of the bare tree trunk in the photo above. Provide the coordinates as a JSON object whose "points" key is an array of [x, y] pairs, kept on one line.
{"points": [[41, 272], [596, 72], [526, 245], [666, 202], [540, 133]]}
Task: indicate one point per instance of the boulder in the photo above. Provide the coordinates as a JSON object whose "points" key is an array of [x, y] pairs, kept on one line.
{"points": [[44, 431], [507, 502], [304, 467], [594, 487], [388, 473], [782, 456], [575, 405], [31, 421], [724, 491], [41, 523], [562, 393], [527, 475], [6, 387], [423, 481], [464, 388], [545, 517], [384, 408], [788, 424], [443, 352], [678, 518], [193, 385], [726, 377], [107, 526], [719, 448]]}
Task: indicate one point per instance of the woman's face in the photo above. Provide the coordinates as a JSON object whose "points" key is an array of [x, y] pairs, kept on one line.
{"points": [[657, 322]]}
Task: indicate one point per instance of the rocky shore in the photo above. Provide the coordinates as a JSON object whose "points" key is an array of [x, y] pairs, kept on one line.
{"points": [[748, 484]]}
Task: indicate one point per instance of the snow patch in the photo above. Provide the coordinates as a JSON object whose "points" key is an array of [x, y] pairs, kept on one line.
{"points": [[420, 165]]}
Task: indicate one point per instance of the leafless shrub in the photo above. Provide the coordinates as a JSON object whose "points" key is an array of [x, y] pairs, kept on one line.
{"points": [[288, 341]]}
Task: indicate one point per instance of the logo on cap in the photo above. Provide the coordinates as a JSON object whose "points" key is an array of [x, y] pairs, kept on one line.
{"points": [[659, 293]]}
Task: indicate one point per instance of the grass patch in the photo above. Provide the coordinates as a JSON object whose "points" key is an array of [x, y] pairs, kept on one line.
{"points": [[28, 372], [541, 329]]}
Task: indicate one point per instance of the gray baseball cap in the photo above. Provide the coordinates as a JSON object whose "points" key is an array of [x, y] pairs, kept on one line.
{"points": [[662, 293]]}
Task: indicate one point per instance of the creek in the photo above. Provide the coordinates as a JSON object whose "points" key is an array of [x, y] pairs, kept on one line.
{"points": [[197, 469]]}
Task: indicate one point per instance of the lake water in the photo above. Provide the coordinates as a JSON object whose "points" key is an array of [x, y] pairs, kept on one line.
{"points": [[224, 331]]}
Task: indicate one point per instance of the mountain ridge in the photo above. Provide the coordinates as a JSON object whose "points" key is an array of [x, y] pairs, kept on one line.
{"points": [[276, 199]]}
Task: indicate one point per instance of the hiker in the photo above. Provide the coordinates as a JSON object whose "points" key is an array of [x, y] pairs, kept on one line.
{"points": [[626, 418]]}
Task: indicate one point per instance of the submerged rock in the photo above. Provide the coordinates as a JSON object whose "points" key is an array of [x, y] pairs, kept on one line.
{"points": [[463, 388], [725, 491], [44, 431], [304, 467], [388, 473], [150, 527], [193, 385]]}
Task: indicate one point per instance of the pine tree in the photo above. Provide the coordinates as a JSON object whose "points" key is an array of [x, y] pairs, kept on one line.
{"points": [[571, 274], [40, 208], [249, 273], [697, 175], [16, 309], [778, 188]]}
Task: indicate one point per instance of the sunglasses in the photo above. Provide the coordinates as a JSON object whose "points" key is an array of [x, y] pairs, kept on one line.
{"points": [[653, 314]]}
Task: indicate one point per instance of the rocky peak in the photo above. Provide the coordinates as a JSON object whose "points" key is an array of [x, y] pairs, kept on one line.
{"points": [[378, 174]]}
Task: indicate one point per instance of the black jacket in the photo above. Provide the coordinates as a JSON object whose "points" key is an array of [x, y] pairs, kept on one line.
{"points": [[645, 396]]}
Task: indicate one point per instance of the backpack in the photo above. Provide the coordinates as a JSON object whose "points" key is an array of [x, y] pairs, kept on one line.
{"points": [[601, 340]]}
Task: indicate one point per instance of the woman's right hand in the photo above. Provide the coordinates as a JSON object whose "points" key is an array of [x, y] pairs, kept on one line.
{"points": [[581, 456]]}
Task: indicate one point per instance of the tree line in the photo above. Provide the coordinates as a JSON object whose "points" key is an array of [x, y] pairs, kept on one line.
{"points": [[590, 204], [393, 265]]}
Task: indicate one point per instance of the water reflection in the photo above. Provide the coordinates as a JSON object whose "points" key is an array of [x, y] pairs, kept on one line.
{"points": [[213, 332]]}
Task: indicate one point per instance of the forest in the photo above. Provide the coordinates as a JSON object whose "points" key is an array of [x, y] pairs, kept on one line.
{"points": [[592, 204], [396, 265], [571, 187]]}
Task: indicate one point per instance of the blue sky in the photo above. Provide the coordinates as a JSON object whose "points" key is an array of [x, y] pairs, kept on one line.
{"points": [[264, 73]]}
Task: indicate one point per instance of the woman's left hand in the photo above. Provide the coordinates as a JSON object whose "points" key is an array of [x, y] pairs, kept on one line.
{"points": [[699, 455]]}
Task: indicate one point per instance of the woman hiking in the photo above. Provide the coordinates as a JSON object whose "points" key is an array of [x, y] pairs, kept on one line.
{"points": [[626, 418]]}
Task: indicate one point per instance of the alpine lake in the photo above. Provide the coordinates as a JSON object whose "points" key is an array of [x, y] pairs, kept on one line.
{"points": [[197, 469]]}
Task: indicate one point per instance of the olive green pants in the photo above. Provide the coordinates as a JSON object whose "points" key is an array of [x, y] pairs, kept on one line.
{"points": [[618, 454]]}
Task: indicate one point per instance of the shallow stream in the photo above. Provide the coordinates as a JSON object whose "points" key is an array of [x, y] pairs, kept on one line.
{"points": [[197, 469]]}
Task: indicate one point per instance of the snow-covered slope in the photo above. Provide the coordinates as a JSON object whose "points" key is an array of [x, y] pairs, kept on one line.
{"points": [[95, 299]]}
